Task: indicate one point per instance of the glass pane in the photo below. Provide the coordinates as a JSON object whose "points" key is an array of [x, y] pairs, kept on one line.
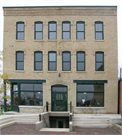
{"points": [[80, 26], [59, 89], [80, 35], [66, 66], [15, 88], [26, 86], [52, 26], [66, 26], [31, 98], [38, 36], [20, 35], [80, 67], [66, 35], [66, 56], [20, 26], [15, 98], [38, 87], [80, 56], [38, 56], [52, 56], [99, 67], [94, 87], [52, 35], [90, 99], [38, 26], [20, 65], [38, 66], [99, 27], [99, 36], [99, 57], [52, 66], [20, 56]]}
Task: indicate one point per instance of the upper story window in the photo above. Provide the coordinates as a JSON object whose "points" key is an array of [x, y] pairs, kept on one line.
{"points": [[80, 30], [66, 61], [38, 31], [52, 64], [99, 31], [80, 61], [52, 28], [38, 61], [99, 58], [19, 60], [20, 31], [66, 30]]}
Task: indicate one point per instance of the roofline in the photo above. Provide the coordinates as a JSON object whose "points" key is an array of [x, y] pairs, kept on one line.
{"points": [[56, 6]]}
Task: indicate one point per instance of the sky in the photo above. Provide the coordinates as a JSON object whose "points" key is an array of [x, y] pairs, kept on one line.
{"points": [[118, 3]]}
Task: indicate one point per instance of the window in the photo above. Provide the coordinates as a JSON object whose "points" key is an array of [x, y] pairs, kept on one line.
{"points": [[99, 57], [80, 61], [38, 31], [52, 61], [38, 61], [52, 30], [66, 30], [90, 95], [20, 31], [66, 61], [80, 28], [99, 30], [19, 60]]}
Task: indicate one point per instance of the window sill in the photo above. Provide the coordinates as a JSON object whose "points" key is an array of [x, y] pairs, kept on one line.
{"points": [[80, 71], [90, 107], [99, 40], [37, 71], [49, 40], [19, 71], [51, 71], [99, 72], [29, 106], [65, 40], [66, 71], [20, 40], [80, 40], [38, 40]]}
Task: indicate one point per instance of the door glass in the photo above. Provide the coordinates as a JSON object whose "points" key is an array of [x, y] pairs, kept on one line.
{"points": [[60, 124]]}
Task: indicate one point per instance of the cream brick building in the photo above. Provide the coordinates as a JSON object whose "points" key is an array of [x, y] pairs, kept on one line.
{"points": [[62, 54]]}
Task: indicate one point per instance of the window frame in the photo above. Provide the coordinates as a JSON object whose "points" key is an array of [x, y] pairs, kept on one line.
{"points": [[80, 22], [80, 61], [99, 61], [20, 31], [38, 31], [52, 61], [66, 22], [66, 61], [19, 61], [38, 61], [52, 22], [99, 22]]}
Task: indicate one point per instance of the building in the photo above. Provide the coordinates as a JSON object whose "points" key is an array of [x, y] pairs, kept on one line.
{"points": [[62, 54]]}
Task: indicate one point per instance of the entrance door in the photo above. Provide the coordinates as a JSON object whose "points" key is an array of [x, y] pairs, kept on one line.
{"points": [[59, 98]]}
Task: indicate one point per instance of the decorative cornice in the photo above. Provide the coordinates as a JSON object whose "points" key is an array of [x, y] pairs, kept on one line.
{"points": [[80, 11]]}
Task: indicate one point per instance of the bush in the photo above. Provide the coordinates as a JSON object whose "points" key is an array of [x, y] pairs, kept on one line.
{"points": [[8, 108]]}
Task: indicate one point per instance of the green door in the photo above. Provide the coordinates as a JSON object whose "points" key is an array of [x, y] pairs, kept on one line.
{"points": [[59, 98]]}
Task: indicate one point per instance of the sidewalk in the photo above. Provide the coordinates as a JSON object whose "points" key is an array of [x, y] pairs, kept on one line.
{"points": [[27, 129]]}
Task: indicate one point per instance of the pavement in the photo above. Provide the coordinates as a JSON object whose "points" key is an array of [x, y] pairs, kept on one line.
{"points": [[29, 129]]}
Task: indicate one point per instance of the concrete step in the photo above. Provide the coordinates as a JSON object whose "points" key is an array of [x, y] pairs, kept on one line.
{"points": [[7, 124], [55, 129], [3, 121], [92, 125]]}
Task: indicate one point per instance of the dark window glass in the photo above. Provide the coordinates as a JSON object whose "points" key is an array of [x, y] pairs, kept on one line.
{"points": [[66, 30], [90, 95], [15, 87], [38, 30], [19, 60], [66, 61], [20, 31], [99, 56], [15, 98], [99, 30], [31, 87], [52, 30], [52, 61], [32, 98], [59, 89], [80, 27], [80, 61], [38, 61]]}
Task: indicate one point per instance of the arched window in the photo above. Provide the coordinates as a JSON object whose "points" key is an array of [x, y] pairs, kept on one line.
{"points": [[19, 60], [80, 61], [80, 30], [38, 34], [52, 30], [20, 31]]}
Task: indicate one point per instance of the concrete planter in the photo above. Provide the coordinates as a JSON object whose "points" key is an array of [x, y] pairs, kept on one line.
{"points": [[117, 127]]}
